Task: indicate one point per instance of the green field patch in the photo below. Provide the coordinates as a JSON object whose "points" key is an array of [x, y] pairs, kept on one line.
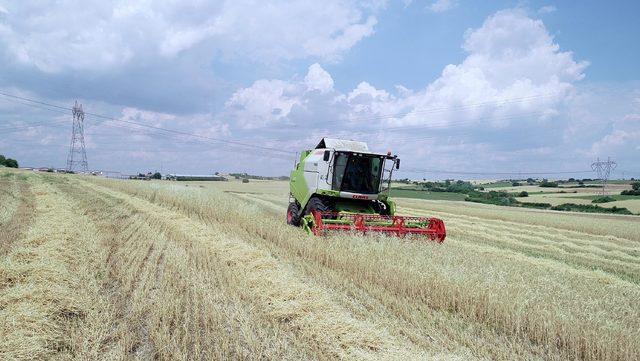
{"points": [[498, 184], [421, 194], [616, 197]]}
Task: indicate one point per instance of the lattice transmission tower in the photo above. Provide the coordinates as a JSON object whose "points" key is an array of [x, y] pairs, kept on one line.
{"points": [[77, 158], [604, 168]]}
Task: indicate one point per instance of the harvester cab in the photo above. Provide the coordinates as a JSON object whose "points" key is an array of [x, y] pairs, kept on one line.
{"points": [[342, 186]]}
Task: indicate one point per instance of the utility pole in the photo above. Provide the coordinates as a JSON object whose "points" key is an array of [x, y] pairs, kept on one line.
{"points": [[77, 158], [604, 169]]}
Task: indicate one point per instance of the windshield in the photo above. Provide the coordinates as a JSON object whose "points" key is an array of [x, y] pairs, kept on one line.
{"points": [[357, 173]]}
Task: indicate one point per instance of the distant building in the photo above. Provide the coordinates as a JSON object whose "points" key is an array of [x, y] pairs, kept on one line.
{"points": [[195, 177]]}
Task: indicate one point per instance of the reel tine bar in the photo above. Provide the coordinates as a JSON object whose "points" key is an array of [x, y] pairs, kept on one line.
{"points": [[399, 225]]}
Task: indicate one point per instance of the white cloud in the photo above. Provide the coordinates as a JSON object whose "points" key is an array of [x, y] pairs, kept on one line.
{"points": [[547, 9], [511, 56], [624, 136], [330, 46], [318, 79], [263, 103], [514, 76], [513, 66], [440, 6], [105, 35]]}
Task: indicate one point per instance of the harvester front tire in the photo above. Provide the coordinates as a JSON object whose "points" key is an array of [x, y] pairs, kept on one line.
{"points": [[293, 214], [316, 204]]}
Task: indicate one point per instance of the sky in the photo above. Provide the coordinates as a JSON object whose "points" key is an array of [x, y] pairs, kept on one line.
{"points": [[457, 89]]}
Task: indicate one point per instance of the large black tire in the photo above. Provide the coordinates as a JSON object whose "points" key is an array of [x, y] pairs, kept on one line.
{"points": [[293, 214], [382, 208], [316, 204]]}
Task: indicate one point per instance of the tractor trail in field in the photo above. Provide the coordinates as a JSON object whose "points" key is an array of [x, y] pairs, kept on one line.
{"points": [[351, 263], [300, 304], [172, 298], [470, 237], [17, 210], [580, 250], [102, 269], [47, 283], [419, 323], [416, 319]]}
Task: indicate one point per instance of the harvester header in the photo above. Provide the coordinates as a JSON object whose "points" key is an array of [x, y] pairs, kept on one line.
{"points": [[341, 185]]}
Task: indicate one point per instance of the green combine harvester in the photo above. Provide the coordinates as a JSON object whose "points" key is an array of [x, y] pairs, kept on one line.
{"points": [[342, 186]]}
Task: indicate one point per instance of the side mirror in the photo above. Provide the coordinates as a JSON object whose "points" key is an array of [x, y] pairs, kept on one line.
{"points": [[326, 156], [397, 163]]}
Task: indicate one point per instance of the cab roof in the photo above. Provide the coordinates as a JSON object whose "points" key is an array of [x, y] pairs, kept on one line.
{"points": [[343, 144]]}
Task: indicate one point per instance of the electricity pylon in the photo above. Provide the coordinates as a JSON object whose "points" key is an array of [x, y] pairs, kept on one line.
{"points": [[77, 158], [603, 169]]}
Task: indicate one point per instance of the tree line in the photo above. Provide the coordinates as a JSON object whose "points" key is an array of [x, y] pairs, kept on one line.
{"points": [[8, 162]]}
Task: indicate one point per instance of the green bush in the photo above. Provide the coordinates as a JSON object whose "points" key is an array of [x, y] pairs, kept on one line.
{"points": [[590, 208], [536, 205], [603, 199], [546, 184], [492, 197], [523, 194], [630, 192], [635, 186]]}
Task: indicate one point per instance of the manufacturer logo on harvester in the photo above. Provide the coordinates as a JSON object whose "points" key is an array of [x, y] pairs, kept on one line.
{"points": [[357, 196]]}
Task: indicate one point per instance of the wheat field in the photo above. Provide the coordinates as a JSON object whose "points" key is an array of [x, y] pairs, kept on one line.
{"points": [[92, 268]]}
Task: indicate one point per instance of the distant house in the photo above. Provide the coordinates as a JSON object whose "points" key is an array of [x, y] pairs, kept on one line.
{"points": [[196, 177], [142, 176]]}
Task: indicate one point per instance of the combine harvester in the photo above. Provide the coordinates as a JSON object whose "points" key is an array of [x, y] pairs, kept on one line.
{"points": [[342, 186]]}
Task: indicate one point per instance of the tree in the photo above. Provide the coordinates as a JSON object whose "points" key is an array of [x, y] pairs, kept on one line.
{"points": [[548, 184], [11, 163], [156, 175], [2, 159], [635, 186]]}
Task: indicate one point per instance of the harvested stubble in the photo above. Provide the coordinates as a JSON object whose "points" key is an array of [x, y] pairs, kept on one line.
{"points": [[195, 273]]}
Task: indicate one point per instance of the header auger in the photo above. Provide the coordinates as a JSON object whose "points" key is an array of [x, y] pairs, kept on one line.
{"points": [[342, 186]]}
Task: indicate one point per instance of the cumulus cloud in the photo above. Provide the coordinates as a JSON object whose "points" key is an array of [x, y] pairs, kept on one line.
{"points": [[514, 81], [97, 36], [514, 75], [264, 102], [511, 56], [547, 9], [623, 139], [441, 6], [318, 79], [513, 66]]}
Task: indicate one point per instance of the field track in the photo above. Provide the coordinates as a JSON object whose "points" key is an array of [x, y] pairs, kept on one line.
{"points": [[100, 269]]}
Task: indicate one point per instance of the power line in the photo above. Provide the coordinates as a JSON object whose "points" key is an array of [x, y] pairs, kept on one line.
{"points": [[173, 131], [388, 116], [414, 170]]}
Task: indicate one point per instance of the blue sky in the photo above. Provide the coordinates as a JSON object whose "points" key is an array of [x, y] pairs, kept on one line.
{"points": [[451, 86]]}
